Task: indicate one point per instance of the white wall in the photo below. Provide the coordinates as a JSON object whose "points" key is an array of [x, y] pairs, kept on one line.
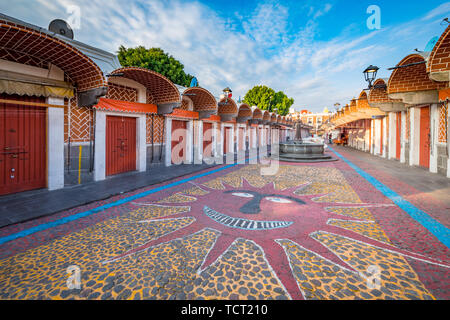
{"points": [[55, 144], [414, 140]]}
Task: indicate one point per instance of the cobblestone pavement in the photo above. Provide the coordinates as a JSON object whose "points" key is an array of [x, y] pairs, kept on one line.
{"points": [[308, 232]]}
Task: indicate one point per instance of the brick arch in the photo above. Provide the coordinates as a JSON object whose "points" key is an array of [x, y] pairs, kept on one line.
{"points": [[227, 109], [278, 118], [439, 59], [412, 78], [203, 101], [160, 90], [266, 116], [273, 117], [378, 94], [244, 110], [362, 101], [257, 113], [26, 44], [244, 113]]}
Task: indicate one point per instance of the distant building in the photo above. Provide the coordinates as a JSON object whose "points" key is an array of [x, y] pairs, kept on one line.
{"points": [[315, 120]]}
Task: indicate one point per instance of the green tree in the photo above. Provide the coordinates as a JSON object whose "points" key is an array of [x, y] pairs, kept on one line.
{"points": [[157, 60], [267, 99]]}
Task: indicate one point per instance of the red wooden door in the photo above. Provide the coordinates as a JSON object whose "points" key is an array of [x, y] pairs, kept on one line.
{"points": [[22, 145], [179, 141], [120, 144], [226, 137], [424, 156], [398, 144], [207, 139]]}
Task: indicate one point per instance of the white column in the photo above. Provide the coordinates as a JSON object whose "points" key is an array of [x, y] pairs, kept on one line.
{"points": [[403, 138], [141, 143], [198, 157], [448, 142], [100, 146], [216, 136], [222, 134], [392, 145], [189, 141], [414, 140], [385, 138], [372, 136], [434, 124], [55, 144], [168, 141]]}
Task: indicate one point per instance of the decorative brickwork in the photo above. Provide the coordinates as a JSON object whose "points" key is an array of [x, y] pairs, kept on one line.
{"points": [[120, 92], [266, 115], [158, 122], [77, 121], [160, 90], [43, 48], [413, 77], [244, 111], [227, 107], [439, 59], [22, 58], [378, 94], [443, 118], [203, 99], [257, 114], [187, 104]]}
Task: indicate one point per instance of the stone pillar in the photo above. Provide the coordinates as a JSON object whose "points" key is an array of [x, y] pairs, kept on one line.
{"points": [[55, 144], [403, 138]]}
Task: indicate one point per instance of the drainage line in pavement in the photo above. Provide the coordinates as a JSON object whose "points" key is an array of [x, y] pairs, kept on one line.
{"points": [[435, 227]]}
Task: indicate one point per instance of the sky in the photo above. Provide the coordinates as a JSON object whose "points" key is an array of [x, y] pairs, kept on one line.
{"points": [[313, 50]]}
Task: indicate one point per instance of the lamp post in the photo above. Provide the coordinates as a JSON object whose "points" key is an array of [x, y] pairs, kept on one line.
{"points": [[370, 74]]}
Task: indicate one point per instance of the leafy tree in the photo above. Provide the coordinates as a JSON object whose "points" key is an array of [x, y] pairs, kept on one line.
{"points": [[157, 60], [267, 99]]}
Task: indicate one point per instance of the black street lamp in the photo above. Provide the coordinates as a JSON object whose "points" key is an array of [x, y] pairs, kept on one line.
{"points": [[370, 74]]}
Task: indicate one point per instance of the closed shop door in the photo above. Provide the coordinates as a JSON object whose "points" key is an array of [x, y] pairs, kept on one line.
{"points": [[22, 145], [398, 144], [424, 156], [120, 144], [207, 139], [179, 141]]}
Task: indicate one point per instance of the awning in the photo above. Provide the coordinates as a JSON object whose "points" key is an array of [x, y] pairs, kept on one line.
{"points": [[444, 95], [125, 106], [184, 114], [32, 89]]}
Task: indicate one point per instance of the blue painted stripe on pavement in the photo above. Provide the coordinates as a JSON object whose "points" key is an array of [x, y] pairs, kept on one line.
{"points": [[77, 216], [435, 227]]}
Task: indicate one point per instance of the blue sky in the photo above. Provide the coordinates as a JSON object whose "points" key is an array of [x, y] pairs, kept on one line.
{"points": [[314, 51]]}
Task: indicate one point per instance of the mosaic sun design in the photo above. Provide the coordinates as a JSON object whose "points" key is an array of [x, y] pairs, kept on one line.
{"points": [[300, 234], [292, 221]]}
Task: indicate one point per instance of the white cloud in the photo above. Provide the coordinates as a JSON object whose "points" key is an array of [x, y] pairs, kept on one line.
{"points": [[241, 52], [440, 11]]}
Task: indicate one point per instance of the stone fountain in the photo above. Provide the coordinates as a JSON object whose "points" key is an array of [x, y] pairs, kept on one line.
{"points": [[302, 151]]}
